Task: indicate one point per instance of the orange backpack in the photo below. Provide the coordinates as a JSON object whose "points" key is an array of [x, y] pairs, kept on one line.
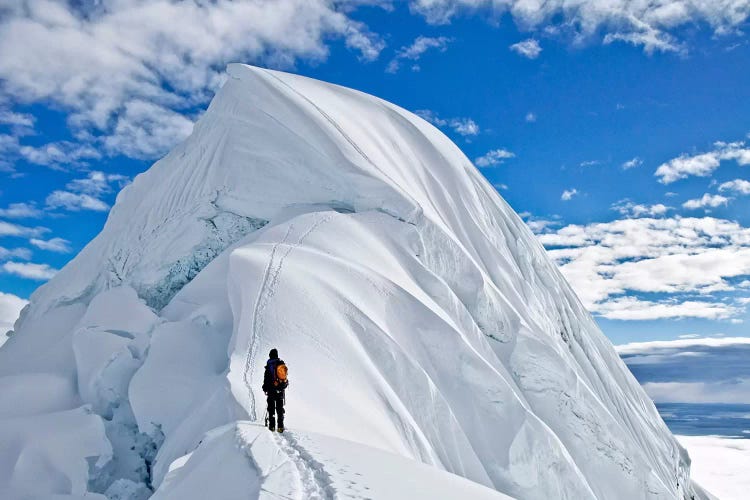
{"points": [[281, 372]]}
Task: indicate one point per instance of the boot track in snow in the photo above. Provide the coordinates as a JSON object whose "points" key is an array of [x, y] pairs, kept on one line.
{"points": [[267, 289]]}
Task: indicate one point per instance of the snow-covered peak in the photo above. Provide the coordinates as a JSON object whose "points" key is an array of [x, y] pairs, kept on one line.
{"points": [[418, 315]]}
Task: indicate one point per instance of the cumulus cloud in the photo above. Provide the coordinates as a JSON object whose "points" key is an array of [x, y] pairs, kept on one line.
{"points": [[635, 210], [58, 245], [462, 126], [703, 164], [692, 370], [59, 154], [739, 186], [29, 270], [86, 193], [415, 51], [75, 202], [493, 157], [651, 25], [10, 307], [529, 48], [568, 194], [101, 61], [676, 256], [706, 201]]}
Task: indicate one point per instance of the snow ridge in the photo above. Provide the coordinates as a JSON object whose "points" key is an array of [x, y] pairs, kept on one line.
{"points": [[427, 331]]}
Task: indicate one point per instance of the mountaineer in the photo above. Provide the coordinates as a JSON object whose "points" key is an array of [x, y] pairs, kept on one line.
{"points": [[274, 385]]}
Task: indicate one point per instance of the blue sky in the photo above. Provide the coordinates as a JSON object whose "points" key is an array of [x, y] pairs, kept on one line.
{"points": [[619, 132]]}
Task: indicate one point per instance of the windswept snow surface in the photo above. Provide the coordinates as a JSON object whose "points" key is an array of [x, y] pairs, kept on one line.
{"points": [[417, 313]]}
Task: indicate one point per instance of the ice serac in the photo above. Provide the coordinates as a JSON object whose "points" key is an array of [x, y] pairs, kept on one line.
{"points": [[418, 314]]}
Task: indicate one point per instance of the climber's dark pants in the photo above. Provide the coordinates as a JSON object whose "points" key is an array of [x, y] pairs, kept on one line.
{"points": [[275, 408]]}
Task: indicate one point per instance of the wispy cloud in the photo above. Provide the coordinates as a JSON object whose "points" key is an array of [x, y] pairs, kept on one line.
{"points": [[462, 126], [86, 193], [651, 25], [632, 163], [58, 245], [28, 270], [530, 117], [703, 164], [529, 48], [568, 194], [415, 51], [75, 202], [493, 158], [20, 231], [59, 154], [14, 253], [21, 211], [630, 209]]}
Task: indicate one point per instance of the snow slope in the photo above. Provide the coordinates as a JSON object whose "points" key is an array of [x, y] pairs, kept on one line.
{"points": [[417, 313]]}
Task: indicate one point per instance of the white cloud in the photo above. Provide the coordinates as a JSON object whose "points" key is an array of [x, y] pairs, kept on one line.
{"points": [[568, 194], [699, 392], [20, 123], [739, 186], [530, 117], [37, 272], [529, 48], [707, 200], [703, 164], [146, 130], [652, 25], [10, 307], [415, 51], [16, 119], [59, 154], [86, 193], [633, 309], [97, 61], [75, 202], [58, 245], [19, 231], [462, 126], [20, 211], [14, 253], [590, 163], [635, 162], [676, 256], [679, 344], [493, 157], [635, 210], [96, 183]]}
